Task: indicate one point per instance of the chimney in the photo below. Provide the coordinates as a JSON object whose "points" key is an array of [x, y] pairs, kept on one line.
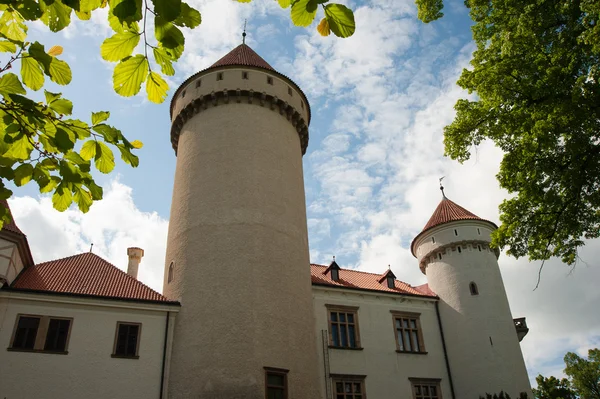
{"points": [[135, 257]]}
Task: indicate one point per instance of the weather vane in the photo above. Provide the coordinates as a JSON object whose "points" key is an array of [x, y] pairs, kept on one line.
{"points": [[244, 34], [442, 187]]}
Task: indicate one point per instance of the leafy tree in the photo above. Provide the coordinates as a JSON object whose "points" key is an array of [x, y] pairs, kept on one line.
{"points": [[502, 395], [40, 142], [536, 73], [553, 388], [584, 374]]}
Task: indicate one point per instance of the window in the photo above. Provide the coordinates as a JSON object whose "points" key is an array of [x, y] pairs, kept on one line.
{"points": [[455, 232], [170, 274], [473, 288], [269, 80], [426, 388], [275, 383], [390, 282], [127, 340], [183, 94], [343, 327], [244, 75], [220, 76], [302, 104], [478, 231], [290, 92], [335, 274], [409, 336], [459, 249], [433, 240], [479, 248], [41, 334], [348, 387], [440, 256], [198, 83]]}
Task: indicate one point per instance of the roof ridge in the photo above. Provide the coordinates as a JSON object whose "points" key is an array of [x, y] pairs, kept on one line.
{"points": [[360, 271]]}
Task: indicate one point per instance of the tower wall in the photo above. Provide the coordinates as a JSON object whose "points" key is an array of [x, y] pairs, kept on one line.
{"points": [[237, 252], [482, 343]]}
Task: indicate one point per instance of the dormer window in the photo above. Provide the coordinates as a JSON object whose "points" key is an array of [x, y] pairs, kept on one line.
{"points": [[391, 283], [389, 277], [335, 274], [333, 270]]}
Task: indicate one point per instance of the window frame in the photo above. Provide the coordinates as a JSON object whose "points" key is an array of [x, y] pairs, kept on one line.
{"points": [[41, 334], [402, 315], [137, 344], [170, 272], [276, 371], [347, 310], [351, 378], [414, 382], [473, 288]]}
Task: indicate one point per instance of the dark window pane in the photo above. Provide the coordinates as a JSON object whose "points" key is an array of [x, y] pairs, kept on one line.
{"points": [[398, 325], [433, 391], [405, 323], [350, 318], [357, 387], [348, 387], [343, 317], [56, 338], [335, 341], [418, 389], [407, 344], [127, 339], [334, 316], [415, 341], [275, 380], [352, 336], [340, 396], [413, 323], [26, 332], [400, 342], [344, 336], [339, 387]]}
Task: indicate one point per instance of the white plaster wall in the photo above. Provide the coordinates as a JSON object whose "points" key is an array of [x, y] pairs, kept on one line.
{"points": [[387, 371], [88, 370], [238, 240], [11, 263], [483, 347]]}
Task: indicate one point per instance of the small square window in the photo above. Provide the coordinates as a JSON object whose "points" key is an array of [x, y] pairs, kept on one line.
{"points": [[183, 94], [220, 76], [57, 335], [244, 75], [275, 383], [26, 332], [433, 240], [390, 282], [426, 388], [348, 387], [41, 334], [269, 80], [409, 336], [198, 83], [343, 326], [290, 92], [335, 274], [127, 340]]}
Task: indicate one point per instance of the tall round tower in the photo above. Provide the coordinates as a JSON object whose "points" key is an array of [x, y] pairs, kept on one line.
{"points": [[482, 344], [237, 251]]}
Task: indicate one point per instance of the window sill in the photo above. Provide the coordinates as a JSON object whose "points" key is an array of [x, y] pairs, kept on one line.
{"points": [[345, 348], [411, 353], [124, 356], [37, 351]]}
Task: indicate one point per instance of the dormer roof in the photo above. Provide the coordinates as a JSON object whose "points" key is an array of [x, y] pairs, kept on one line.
{"points": [[388, 273], [447, 211], [11, 232]]}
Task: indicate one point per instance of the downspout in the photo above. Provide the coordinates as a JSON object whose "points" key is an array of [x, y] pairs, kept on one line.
{"points": [[164, 359], [437, 311]]}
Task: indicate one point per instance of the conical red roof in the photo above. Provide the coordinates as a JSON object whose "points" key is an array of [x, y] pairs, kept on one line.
{"points": [[447, 211], [243, 55]]}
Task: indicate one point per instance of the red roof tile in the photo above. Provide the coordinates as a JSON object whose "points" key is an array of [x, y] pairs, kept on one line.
{"points": [[85, 274], [447, 211], [10, 226], [424, 288], [243, 55], [355, 279]]}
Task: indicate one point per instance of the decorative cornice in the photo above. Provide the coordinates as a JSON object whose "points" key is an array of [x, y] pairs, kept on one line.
{"points": [[226, 96], [426, 259]]}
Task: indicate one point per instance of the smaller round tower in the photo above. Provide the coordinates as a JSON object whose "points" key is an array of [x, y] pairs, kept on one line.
{"points": [[481, 339]]}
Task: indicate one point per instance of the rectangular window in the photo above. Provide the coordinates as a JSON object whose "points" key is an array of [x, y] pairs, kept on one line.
{"points": [[199, 83], [426, 388], [244, 75], [127, 340], [343, 326], [41, 334], [348, 387], [275, 383], [220, 76], [407, 328], [269, 80]]}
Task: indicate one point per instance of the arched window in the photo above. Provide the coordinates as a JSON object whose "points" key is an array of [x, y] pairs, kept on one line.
{"points": [[473, 288], [170, 276]]}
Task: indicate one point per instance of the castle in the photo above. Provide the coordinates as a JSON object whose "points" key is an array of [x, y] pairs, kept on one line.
{"points": [[243, 313]]}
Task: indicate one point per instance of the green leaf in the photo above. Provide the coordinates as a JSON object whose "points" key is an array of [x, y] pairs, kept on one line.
{"points": [[284, 3], [52, 183], [88, 150], [99, 117], [303, 12], [64, 139], [51, 96], [164, 60], [83, 198], [189, 17], [429, 10], [62, 106], [340, 19], [109, 133], [156, 88], [7, 47], [121, 26], [62, 198], [23, 174], [119, 46], [128, 157], [170, 37], [12, 25], [83, 15], [168, 9], [20, 149], [95, 190], [31, 72], [137, 144], [9, 83], [57, 16], [60, 72], [129, 75], [126, 10], [104, 159], [29, 9]]}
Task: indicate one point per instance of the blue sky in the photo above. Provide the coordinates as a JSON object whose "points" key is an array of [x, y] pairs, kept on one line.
{"points": [[379, 101]]}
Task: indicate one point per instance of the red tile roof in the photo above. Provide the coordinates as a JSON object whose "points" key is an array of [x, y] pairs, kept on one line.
{"points": [[424, 288], [355, 279], [10, 226], [85, 274], [447, 211], [243, 55]]}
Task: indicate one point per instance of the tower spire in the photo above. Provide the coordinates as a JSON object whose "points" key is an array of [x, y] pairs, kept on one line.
{"points": [[244, 33]]}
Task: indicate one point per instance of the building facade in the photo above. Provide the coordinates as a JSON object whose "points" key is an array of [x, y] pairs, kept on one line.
{"points": [[243, 313]]}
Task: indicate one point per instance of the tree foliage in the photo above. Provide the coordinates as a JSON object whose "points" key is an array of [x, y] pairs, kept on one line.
{"points": [[553, 388], [536, 76], [584, 374], [40, 142], [502, 395]]}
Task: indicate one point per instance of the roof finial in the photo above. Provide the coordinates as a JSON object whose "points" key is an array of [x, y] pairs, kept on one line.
{"points": [[442, 187], [91, 246], [334, 258], [389, 267], [244, 34]]}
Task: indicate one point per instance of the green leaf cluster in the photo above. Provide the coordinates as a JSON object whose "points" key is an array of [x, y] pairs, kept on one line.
{"points": [[537, 79], [582, 382]]}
